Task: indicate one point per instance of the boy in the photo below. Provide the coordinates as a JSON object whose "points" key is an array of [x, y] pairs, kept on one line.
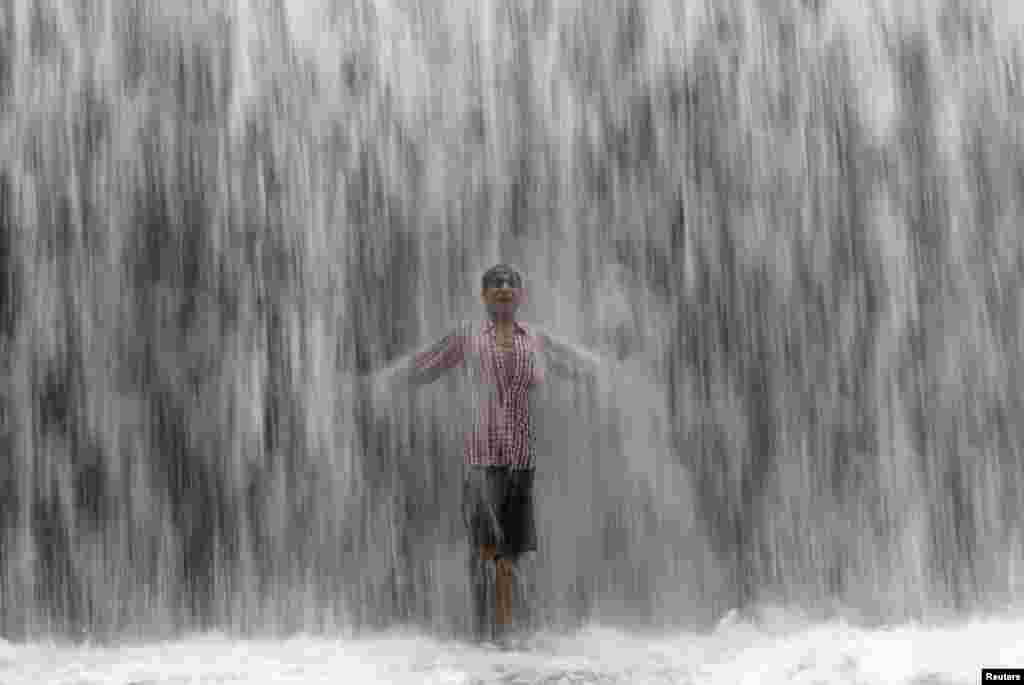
{"points": [[506, 360]]}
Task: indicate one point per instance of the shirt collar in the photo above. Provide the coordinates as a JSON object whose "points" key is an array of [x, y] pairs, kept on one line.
{"points": [[489, 326]]}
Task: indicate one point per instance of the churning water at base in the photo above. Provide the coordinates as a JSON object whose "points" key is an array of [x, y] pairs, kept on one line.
{"points": [[782, 649], [794, 223]]}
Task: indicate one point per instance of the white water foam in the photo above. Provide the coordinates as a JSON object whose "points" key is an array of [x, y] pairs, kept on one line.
{"points": [[776, 651]]}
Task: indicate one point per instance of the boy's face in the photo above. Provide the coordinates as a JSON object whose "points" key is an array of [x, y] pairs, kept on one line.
{"points": [[502, 303], [502, 294], [497, 296]]}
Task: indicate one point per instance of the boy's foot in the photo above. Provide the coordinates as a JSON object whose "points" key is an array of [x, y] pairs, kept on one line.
{"points": [[508, 643], [511, 637]]}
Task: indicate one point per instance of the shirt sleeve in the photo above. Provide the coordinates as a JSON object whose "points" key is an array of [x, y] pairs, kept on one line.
{"points": [[569, 361], [445, 354]]}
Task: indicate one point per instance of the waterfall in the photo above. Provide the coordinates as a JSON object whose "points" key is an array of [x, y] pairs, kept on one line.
{"points": [[793, 223]]}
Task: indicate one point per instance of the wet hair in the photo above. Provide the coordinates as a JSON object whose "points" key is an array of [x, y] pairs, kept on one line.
{"points": [[501, 272]]}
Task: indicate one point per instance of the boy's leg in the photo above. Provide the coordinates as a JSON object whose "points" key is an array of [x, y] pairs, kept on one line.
{"points": [[481, 526], [504, 577], [503, 590], [519, 537], [502, 584]]}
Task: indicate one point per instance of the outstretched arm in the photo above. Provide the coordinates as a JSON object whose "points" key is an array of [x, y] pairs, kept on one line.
{"points": [[421, 367], [572, 362]]}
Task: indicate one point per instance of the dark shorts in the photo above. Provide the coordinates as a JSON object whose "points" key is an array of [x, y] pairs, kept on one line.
{"points": [[497, 507]]}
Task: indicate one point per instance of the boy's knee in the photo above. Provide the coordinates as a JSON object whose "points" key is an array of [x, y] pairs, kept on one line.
{"points": [[488, 552]]}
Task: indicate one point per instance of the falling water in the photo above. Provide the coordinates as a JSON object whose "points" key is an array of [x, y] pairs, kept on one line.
{"points": [[793, 224]]}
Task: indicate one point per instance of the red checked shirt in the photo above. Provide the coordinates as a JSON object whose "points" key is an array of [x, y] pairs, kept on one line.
{"points": [[503, 384]]}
